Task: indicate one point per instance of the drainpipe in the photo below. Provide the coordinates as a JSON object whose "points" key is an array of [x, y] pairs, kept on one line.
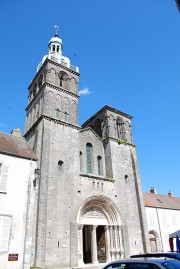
{"points": [[159, 230], [27, 212]]}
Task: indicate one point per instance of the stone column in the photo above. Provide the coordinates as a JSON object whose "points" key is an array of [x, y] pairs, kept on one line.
{"points": [[94, 244], [107, 236], [80, 245], [121, 242], [111, 242], [117, 241]]}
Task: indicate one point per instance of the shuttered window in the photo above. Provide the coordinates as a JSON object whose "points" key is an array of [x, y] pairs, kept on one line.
{"points": [[89, 157], [5, 224], [3, 177]]}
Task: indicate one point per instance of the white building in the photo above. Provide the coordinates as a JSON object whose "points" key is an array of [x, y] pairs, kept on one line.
{"points": [[163, 218], [17, 166]]}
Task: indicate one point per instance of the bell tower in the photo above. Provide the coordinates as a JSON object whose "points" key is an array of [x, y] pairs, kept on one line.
{"points": [[52, 131], [53, 93]]}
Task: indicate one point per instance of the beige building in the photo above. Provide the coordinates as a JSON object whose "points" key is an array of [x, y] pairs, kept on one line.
{"points": [[163, 218], [17, 165]]}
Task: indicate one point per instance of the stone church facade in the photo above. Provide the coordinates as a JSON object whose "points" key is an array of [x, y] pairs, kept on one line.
{"points": [[90, 207]]}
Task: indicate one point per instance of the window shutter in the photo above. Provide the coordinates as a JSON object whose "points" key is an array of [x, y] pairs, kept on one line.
{"points": [[3, 178], [5, 223]]}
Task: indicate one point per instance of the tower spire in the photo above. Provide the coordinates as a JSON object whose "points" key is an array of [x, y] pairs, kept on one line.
{"points": [[56, 27]]}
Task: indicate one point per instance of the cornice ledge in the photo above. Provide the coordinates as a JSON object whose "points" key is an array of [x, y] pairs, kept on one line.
{"points": [[60, 89], [65, 123], [122, 142], [91, 176], [62, 66]]}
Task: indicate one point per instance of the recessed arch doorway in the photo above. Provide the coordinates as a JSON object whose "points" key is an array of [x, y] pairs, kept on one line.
{"points": [[100, 237]]}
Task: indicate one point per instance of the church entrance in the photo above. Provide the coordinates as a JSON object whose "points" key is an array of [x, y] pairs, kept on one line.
{"points": [[94, 244], [87, 256], [101, 244], [100, 237]]}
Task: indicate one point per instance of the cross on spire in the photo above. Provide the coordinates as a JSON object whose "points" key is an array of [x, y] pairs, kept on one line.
{"points": [[56, 27]]}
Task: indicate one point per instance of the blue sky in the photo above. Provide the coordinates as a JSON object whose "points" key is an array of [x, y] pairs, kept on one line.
{"points": [[129, 58]]}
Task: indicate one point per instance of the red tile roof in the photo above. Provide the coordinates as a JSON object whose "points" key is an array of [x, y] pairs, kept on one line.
{"points": [[161, 201], [16, 146]]}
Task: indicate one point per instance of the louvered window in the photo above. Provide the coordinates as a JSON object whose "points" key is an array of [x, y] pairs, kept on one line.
{"points": [[89, 157], [3, 177], [5, 224]]}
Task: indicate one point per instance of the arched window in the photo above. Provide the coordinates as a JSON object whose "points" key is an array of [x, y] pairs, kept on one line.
{"points": [[97, 127], [58, 113], [153, 243], [34, 89], [40, 81], [63, 77], [81, 161], [61, 82], [120, 128], [89, 157], [60, 166], [65, 116], [99, 163]]}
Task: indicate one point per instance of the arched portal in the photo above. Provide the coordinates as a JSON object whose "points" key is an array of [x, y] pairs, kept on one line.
{"points": [[99, 231], [154, 241]]}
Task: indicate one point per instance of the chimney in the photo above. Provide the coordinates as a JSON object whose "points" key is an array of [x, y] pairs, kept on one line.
{"points": [[16, 132], [153, 190], [170, 194]]}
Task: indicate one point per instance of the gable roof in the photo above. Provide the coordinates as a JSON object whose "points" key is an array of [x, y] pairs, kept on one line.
{"points": [[86, 129], [106, 108], [161, 201], [16, 146]]}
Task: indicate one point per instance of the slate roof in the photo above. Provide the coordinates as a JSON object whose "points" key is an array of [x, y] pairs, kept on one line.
{"points": [[16, 146], [161, 201]]}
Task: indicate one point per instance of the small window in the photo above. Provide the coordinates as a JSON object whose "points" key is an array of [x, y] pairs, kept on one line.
{"points": [[3, 178], [57, 48], [34, 89], [53, 47], [0, 169], [5, 223], [60, 166], [65, 116], [126, 178], [61, 82], [81, 161], [40, 81], [58, 113], [89, 157], [99, 161]]}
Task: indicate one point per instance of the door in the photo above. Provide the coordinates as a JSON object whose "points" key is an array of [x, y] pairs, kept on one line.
{"points": [[101, 244]]}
